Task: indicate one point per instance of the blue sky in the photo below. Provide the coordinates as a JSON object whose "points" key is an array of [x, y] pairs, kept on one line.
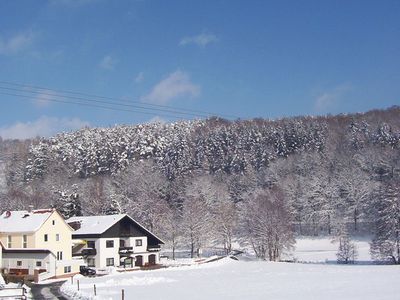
{"points": [[247, 59]]}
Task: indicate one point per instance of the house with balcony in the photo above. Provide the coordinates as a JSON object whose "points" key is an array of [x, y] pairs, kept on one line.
{"points": [[114, 240], [36, 242]]}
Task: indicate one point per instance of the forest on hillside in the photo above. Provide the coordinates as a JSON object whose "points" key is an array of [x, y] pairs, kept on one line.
{"points": [[215, 181]]}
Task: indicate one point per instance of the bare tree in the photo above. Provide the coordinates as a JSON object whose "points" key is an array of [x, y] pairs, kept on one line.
{"points": [[266, 221]]}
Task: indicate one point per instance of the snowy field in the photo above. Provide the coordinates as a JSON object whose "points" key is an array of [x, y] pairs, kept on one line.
{"points": [[324, 250], [229, 279], [319, 278]]}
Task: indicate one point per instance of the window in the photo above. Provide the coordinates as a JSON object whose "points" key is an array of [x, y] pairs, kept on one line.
{"points": [[110, 244], [9, 241], [57, 237], [38, 264], [90, 262], [46, 237], [91, 244], [54, 222], [59, 255], [19, 263], [109, 262], [138, 243], [67, 269], [24, 241]]}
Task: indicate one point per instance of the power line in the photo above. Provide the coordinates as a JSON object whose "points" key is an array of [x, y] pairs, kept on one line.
{"points": [[118, 101], [29, 98], [55, 96]]}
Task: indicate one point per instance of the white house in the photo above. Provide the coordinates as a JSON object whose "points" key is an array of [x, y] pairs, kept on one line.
{"points": [[114, 240]]}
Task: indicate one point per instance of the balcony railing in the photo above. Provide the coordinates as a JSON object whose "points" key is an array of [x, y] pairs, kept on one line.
{"points": [[125, 251], [88, 252], [153, 248]]}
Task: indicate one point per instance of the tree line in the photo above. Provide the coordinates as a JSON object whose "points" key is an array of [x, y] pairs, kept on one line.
{"points": [[197, 183]]}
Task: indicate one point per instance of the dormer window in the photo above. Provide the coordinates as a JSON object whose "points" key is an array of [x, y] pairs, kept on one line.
{"points": [[138, 243]]}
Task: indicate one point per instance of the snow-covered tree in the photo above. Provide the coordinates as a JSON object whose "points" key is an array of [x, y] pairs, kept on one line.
{"points": [[113, 207], [386, 243], [347, 251], [68, 202], [266, 223], [197, 222]]}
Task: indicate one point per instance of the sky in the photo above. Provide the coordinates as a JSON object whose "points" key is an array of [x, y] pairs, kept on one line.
{"points": [[229, 58]]}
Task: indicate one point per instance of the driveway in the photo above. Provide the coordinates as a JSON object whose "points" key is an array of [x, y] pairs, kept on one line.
{"points": [[47, 291]]}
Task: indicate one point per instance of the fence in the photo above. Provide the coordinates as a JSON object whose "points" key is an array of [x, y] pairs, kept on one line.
{"points": [[76, 283]]}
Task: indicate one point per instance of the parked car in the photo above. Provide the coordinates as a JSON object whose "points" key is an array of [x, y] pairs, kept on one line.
{"points": [[86, 271]]}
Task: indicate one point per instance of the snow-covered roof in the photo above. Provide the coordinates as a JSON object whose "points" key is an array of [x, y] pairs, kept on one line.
{"points": [[23, 221], [95, 224], [99, 224]]}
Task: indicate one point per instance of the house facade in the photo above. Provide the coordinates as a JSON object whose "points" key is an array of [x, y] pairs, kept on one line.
{"points": [[36, 240], [114, 240]]}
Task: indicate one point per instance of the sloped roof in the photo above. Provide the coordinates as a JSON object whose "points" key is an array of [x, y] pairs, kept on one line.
{"points": [[95, 224], [100, 224], [23, 221]]}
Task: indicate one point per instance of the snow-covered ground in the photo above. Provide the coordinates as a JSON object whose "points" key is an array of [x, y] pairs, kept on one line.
{"points": [[10, 290], [253, 279], [229, 279], [324, 250]]}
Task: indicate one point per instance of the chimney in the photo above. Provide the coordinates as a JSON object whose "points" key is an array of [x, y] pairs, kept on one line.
{"points": [[30, 208], [75, 225]]}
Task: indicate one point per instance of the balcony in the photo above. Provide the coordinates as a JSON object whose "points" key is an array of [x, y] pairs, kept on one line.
{"points": [[88, 252], [125, 251], [153, 248]]}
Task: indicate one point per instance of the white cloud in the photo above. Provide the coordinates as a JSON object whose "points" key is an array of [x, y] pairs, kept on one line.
{"points": [[175, 85], [108, 62], [44, 126], [16, 43], [201, 40], [329, 99], [157, 119], [139, 77]]}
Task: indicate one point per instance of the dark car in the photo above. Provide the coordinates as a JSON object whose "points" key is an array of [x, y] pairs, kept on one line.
{"points": [[85, 271]]}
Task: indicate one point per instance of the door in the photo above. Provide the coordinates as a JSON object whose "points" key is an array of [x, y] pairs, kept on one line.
{"points": [[152, 259], [139, 261], [128, 262]]}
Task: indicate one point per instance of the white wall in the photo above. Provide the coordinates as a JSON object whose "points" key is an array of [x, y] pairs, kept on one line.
{"points": [[29, 261], [138, 249], [103, 252]]}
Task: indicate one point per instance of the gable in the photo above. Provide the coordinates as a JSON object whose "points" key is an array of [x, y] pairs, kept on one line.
{"points": [[127, 227], [56, 216]]}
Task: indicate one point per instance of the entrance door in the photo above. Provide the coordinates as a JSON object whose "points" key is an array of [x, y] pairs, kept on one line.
{"points": [[128, 262], [139, 261], [152, 259]]}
